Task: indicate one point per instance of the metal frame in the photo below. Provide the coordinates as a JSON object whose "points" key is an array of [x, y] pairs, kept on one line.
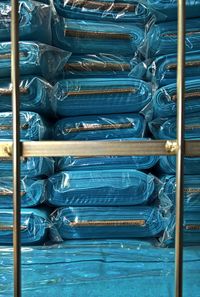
{"points": [[178, 147]]}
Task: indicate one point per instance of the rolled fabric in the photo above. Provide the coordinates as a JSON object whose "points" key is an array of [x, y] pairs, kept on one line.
{"points": [[162, 38], [100, 188], [35, 59], [34, 226], [109, 10], [100, 127], [32, 126], [162, 71], [90, 37], [85, 96], [164, 99], [34, 21], [167, 165], [32, 192], [35, 95], [106, 222], [166, 128]]}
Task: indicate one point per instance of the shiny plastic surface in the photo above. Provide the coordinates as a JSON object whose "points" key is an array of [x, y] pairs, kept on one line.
{"points": [[167, 165]]}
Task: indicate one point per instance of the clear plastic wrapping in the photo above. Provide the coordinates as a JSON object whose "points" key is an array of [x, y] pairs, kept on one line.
{"points": [[101, 188], [106, 222], [87, 96], [34, 21], [35, 59], [100, 127]]}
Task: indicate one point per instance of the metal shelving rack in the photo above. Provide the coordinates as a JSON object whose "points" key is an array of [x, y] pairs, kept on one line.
{"points": [[178, 147]]}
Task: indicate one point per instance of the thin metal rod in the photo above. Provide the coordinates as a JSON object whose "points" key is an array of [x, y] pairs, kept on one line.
{"points": [[16, 147], [180, 151]]}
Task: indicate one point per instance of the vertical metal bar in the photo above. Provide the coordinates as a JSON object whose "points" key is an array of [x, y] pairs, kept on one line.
{"points": [[16, 147], [180, 151]]}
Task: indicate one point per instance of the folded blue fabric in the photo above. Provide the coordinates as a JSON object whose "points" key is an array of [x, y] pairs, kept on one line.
{"points": [[34, 21], [90, 37], [35, 59], [106, 222], [100, 127], [166, 128], [163, 69], [35, 95], [109, 10], [164, 100], [34, 225], [162, 38], [31, 167], [100, 188], [32, 192], [32, 126], [85, 96], [167, 164]]}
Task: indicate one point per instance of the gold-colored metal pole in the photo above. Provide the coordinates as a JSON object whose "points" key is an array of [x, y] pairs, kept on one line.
{"points": [[16, 147], [180, 151]]}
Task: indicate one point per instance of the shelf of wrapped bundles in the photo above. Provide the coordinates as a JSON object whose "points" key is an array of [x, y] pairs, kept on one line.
{"points": [[100, 148]]}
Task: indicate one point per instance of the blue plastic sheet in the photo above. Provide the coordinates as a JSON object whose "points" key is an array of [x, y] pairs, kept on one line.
{"points": [[101, 188], [167, 164], [87, 96], [100, 127], [106, 222], [34, 21]]}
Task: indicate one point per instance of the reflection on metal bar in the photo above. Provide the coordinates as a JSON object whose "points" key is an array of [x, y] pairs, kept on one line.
{"points": [[180, 151], [16, 146]]}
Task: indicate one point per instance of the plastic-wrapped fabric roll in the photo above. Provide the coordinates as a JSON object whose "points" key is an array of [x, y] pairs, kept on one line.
{"points": [[90, 37], [167, 165], [31, 167], [100, 127], [35, 95], [75, 97], [32, 192], [164, 100], [166, 128], [35, 59], [125, 10], [32, 126], [101, 188], [106, 222], [163, 69], [34, 225], [34, 21]]}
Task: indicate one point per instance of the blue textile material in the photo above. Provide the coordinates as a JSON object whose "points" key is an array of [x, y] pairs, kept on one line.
{"points": [[126, 10], [35, 59], [32, 192], [167, 164], [100, 188], [34, 21], [87, 96], [90, 37], [98, 268], [100, 127], [163, 69], [35, 94], [164, 99], [34, 225], [106, 222]]}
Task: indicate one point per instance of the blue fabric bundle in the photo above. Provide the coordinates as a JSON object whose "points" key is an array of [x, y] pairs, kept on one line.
{"points": [[162, 38], [32, 192], [109, 10], [34, 225], [100, 127], [106, 222], [35, 59], [87, 96], [163, 69], [35, 95], [32, 126], [166, 128], [167, 164], [90, 37], [34, 21], [100, 188]]}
